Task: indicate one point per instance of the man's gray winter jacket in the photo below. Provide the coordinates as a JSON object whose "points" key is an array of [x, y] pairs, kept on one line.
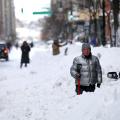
{"points": [[89, 70]]}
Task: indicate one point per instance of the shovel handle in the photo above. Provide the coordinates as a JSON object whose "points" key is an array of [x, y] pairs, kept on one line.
{"points": [[78, 87]]}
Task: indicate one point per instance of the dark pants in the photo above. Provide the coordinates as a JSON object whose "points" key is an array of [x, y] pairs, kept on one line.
{"points": [[22, 65], [90, 88]]}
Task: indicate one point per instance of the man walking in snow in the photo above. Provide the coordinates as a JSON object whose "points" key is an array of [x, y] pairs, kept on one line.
{"points": [[86, 70]]}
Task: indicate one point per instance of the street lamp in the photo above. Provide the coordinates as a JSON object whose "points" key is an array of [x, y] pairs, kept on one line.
{"points": [[86, 30]]}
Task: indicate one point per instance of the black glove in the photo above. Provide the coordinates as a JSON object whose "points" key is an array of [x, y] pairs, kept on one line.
{"points": [[98, 85], [77, 76]]}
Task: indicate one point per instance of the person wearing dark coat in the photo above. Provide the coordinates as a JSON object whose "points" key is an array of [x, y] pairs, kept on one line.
{"points": [[86, 70], [25, 48]]}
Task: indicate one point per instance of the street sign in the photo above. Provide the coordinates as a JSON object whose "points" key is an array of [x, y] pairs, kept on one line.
{"points": [[42, 13]]}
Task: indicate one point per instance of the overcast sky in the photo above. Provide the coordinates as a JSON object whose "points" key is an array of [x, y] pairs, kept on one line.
{"points": [[29, 6]]}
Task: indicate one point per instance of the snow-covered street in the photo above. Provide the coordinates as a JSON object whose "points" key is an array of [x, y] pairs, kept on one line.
{"points": [[45, 89]]}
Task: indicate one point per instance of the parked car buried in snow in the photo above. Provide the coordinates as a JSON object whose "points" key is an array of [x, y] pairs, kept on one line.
{"points": [[4, 51]]}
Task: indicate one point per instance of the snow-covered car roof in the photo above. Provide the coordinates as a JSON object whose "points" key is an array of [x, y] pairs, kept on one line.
{"points": [[2, 42]]}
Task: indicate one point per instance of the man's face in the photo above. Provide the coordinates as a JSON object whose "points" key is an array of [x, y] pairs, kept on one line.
{"points": [[86, 51]]}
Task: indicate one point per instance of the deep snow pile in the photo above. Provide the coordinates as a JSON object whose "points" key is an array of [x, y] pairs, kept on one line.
{"points": [[45, 90]]}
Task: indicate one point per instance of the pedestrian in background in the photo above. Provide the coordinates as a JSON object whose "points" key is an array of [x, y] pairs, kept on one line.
{"points": [[25, 48], [56, 47]]}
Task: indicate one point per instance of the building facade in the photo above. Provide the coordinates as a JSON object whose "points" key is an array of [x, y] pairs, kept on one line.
{"points": [[94, 15], [1, 19], [7, 21]]}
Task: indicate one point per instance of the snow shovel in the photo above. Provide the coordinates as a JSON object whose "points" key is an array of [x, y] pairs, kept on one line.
{"points": [[79, 87], [78, 70]]}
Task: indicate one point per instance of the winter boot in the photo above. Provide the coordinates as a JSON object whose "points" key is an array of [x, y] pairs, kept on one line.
{"points": [[21, 65], [25, 64]]}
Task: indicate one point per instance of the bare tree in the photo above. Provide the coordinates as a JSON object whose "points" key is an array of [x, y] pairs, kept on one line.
{"points": [[116, 9]]}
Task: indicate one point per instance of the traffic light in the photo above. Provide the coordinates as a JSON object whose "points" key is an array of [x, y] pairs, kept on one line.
{"points": [[21, 10]]}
